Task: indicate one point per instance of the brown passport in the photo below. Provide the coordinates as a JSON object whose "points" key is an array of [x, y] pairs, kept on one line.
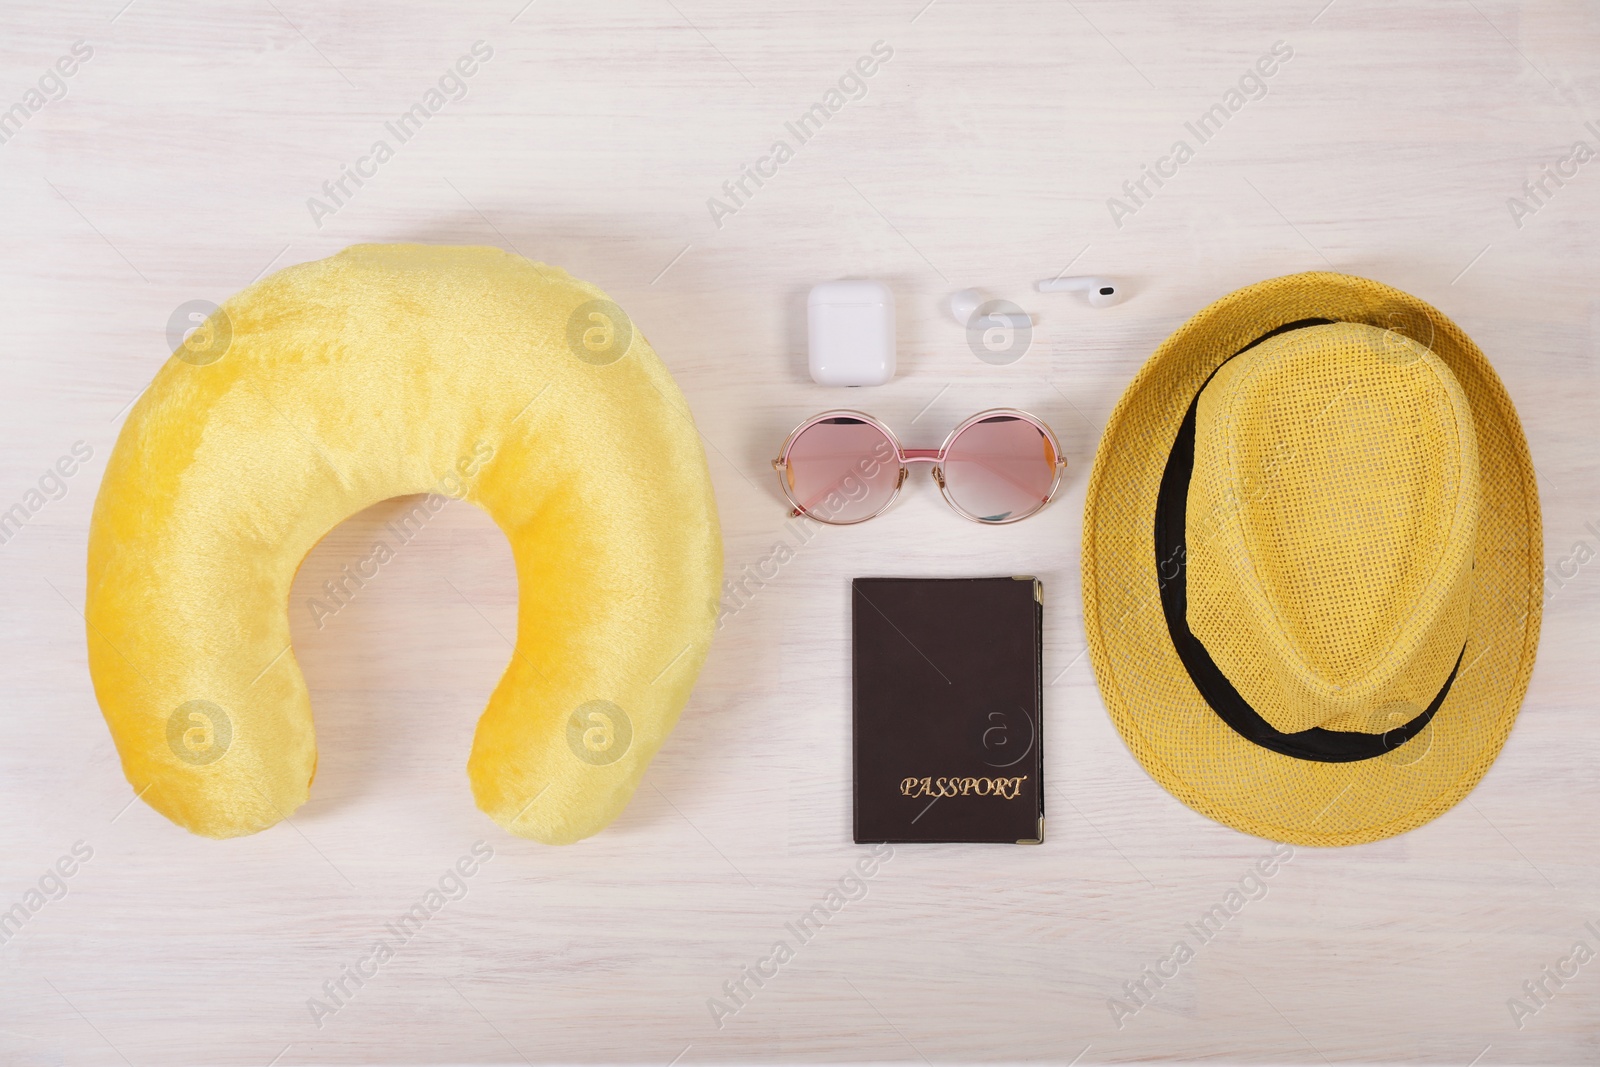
{"points": [[947, 700]]}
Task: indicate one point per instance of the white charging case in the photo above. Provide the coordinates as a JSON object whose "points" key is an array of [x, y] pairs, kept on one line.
{"points": [[850, 327]]}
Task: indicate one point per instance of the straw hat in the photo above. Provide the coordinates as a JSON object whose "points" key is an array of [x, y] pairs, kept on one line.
{"points": [[1312, 570]]}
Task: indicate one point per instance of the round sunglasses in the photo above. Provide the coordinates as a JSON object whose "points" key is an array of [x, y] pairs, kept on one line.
{"points": [[843, 467]]}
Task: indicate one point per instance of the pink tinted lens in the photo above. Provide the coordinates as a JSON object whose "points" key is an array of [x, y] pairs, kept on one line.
{"points": [[1000, 469], [842, 470]]}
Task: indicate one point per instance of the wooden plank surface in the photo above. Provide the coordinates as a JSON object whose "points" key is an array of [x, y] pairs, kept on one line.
{"points": [[176, 163]]}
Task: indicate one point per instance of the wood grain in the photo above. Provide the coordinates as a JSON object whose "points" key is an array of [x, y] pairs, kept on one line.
{"points": [[178, 166]]}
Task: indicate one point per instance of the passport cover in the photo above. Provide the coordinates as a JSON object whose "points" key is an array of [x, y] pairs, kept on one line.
{"points": [[947, 701]]}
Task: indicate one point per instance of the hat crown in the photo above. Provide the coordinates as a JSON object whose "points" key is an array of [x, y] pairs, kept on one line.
{"points": [[1331, 524]]}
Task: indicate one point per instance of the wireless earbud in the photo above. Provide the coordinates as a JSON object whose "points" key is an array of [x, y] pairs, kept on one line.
{"points": [[1101, 292], [964, 307]]}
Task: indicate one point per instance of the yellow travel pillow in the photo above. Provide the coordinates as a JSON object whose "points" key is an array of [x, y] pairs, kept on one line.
{"points": [[383, 371]]}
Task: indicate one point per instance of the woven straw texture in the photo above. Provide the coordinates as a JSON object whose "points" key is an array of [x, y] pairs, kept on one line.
{"points": [[1348, 552], [1331, 519]]}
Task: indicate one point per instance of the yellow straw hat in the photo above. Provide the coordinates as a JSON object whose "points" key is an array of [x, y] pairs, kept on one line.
{"points": [[1312, 566]]}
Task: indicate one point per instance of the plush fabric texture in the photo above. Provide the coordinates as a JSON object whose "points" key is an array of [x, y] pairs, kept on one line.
{"points": [[1361, 512], [384, 371]]}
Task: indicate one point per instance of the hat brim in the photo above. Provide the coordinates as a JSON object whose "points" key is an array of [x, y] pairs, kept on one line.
{"points": [[1169, 727]]}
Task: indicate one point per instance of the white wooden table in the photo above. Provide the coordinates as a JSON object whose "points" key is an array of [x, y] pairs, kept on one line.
{"points": [[178, 166]]}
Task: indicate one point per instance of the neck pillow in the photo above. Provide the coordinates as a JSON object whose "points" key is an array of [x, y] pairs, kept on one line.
{"points": [[383, 371]]}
